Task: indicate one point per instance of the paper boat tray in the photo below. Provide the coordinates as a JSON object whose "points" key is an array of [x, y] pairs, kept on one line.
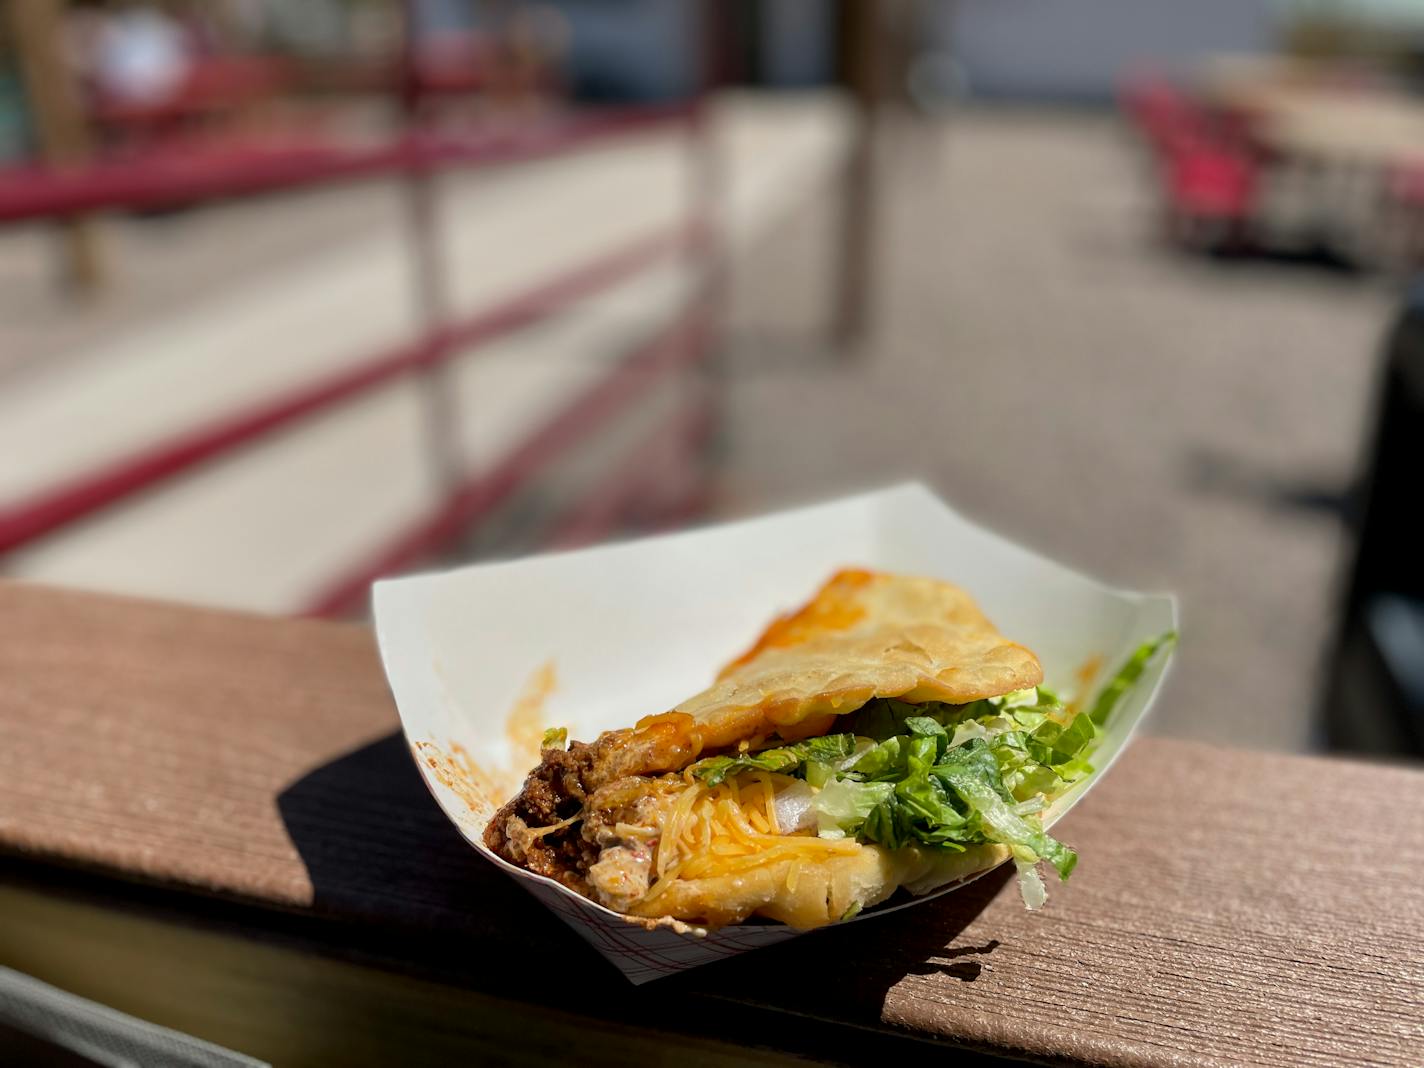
{"points": [[481, 658]]}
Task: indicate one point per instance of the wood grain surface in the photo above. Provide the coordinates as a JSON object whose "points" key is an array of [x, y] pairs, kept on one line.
{"points": [[1230, 907], [1320, 121]]}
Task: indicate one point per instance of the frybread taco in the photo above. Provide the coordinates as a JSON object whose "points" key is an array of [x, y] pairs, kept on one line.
{"points": [[884, 736]]}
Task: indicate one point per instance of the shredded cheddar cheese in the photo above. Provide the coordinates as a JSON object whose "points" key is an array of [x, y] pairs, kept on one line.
{"points": [[728, 829]]}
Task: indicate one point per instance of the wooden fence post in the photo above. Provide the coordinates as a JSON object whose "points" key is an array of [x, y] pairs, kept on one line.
{"points": [[59, 125]]}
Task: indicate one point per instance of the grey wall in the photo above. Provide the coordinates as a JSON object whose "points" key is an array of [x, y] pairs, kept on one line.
{"points": [[1082, 48], [633, 48], [797, 42]]}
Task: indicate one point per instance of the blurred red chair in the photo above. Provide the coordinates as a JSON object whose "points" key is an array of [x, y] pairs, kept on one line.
{"points": [[1208, 179], [1211, 191], [1163, 114]]}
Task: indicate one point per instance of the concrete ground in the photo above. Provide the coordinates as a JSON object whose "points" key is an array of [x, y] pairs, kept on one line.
{"points": [[1036, 356], [1045, 364]]}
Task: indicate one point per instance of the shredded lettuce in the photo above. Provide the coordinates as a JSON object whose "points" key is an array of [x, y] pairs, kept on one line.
{"points": [[885, 717], [1127, 676], [946, 777], [974, 776], [843, 805], [1030, 884], [787, 759]]}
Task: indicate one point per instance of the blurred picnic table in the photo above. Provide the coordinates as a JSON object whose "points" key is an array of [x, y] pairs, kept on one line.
{"points": [[1343, 145], [1314, 110]]}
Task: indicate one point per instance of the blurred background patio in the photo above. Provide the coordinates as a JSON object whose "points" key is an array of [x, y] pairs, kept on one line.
{"points": [[293, 295]]}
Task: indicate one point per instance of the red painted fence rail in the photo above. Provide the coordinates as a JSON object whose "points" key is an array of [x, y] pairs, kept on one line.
{"points": [[160, 178], [677, 345], [53, 508]]}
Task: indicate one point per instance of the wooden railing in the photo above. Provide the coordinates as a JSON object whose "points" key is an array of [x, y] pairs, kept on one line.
{"points": [[209, 820]]}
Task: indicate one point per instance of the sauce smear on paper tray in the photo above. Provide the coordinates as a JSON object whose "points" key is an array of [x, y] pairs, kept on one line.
{"points": [[524, 728], [484, 790], [1084, 675], [458, 772]]}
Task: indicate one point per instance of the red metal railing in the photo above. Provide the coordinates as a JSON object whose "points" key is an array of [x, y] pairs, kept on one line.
{"points": [[168, 178], [158, 178], [477, 495], [658, 481], [674, 346], [51, 509]]}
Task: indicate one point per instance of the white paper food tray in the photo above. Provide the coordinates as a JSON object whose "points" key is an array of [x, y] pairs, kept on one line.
{"points": [[632, 629]]}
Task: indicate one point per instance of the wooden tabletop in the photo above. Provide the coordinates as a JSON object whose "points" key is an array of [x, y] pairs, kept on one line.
{"points": [[1230, 907], [1303, 114], [1366, 129]]}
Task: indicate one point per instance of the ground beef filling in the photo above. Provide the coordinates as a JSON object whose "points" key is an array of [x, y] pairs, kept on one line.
{"points": [[563, 783], [554, 791]]}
